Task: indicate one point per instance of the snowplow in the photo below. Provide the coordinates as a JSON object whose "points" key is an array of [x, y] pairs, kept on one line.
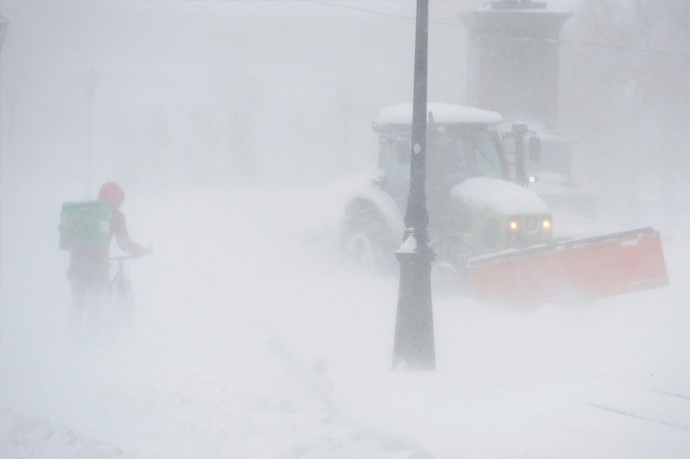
{"points": [[492, 236], [578, 269]]}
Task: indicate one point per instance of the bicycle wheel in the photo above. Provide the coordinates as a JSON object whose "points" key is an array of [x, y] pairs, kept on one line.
{"points": [[123, 300]]}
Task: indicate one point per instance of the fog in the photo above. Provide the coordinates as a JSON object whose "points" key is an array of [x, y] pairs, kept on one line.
{"points": [[238, 130], [627, 105], [239, 82]]}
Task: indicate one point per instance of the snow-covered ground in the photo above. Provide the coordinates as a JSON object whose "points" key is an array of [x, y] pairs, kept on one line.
{"points": [[251, 341]]}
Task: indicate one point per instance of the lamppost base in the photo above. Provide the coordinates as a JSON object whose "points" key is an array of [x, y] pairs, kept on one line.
{"points": [[413, 347]]}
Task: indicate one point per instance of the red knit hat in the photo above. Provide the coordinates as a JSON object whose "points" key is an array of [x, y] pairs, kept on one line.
{"points": [[112, 193]]}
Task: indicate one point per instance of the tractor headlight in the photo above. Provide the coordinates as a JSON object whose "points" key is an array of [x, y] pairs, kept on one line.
{"points": [[513, 225], [546, 224]]}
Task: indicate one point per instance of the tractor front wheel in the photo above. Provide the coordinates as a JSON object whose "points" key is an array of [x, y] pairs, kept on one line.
{"points": [[367, 244]]}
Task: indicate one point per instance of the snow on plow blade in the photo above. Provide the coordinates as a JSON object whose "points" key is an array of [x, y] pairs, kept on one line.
{"points": [[583, 268]]}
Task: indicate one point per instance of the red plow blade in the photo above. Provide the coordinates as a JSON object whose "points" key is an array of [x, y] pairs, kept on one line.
{"points": [[584, 268]]}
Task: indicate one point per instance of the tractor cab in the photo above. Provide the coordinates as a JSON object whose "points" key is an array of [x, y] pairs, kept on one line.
{"points": [[471, 201], [462, 142]]}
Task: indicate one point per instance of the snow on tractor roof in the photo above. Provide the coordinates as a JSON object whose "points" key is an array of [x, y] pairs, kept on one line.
{"points": [[442, 113]]}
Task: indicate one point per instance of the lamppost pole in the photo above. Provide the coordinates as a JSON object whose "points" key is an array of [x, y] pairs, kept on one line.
{"points": [[413, 345], [4, 24]]}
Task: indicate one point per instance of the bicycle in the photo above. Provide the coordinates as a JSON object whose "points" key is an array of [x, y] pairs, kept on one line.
{"points": [[106, 309], [120, 291]]}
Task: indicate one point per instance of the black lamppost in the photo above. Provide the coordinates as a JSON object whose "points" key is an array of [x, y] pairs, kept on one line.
{"points": [[4, 24], [413, 346]]}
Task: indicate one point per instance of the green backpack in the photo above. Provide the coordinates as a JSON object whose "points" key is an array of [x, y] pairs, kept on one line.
{"points": [[85, 224]]}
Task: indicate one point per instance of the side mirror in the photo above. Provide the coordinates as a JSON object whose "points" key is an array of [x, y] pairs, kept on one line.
{"points": [[534, 147]]}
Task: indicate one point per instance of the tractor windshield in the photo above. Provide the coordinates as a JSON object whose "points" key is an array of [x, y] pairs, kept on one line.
{"points": [[454, 154], [487, 155], [465, 151]]}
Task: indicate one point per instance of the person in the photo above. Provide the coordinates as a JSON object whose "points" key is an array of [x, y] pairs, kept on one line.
{"points": [[88, 271]]}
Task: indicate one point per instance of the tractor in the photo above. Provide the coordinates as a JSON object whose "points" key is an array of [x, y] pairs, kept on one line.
{"points": [[481, 212]]}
